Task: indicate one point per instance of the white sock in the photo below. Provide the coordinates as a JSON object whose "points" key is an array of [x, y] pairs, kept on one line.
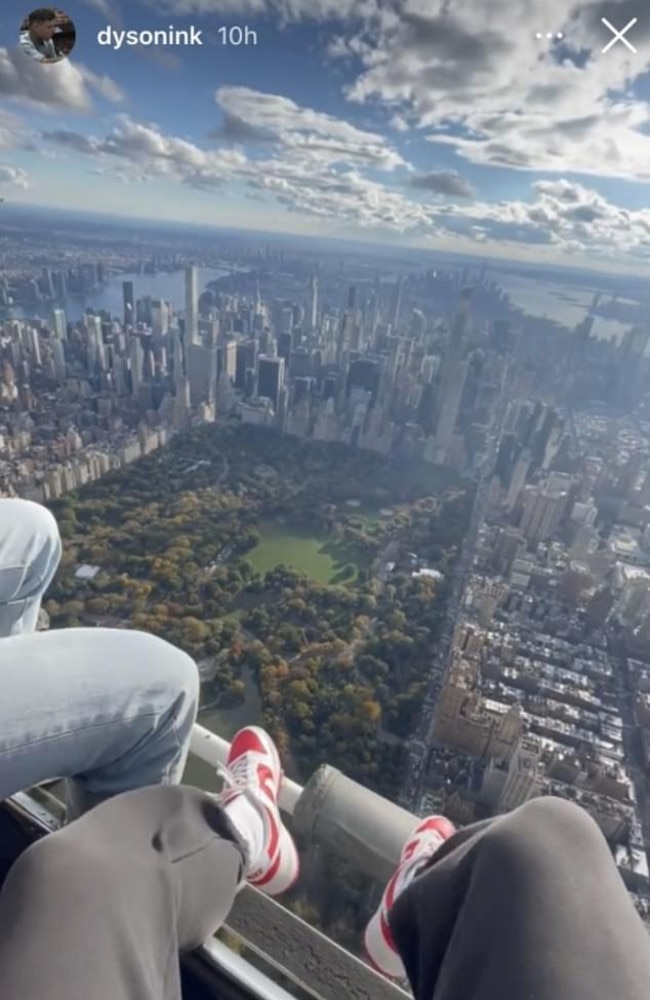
{"points": [[249, 825]]}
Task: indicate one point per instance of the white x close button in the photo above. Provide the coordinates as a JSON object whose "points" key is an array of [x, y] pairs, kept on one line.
{"points": [[619, 36]]}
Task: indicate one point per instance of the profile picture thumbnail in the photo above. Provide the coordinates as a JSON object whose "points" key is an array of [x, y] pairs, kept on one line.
{"points": [[47, 35]]}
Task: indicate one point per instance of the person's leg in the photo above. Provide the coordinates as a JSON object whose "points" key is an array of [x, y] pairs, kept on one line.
{"points": [[527, 905], [102, 908], [110, 709], [30, 551]]}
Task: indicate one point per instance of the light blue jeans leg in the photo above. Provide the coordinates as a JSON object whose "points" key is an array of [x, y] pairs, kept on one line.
{"points": [[30, 552], [109, 709]]}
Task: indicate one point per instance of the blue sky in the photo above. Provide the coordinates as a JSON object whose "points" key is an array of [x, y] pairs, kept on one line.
{"points": [[440, 123]]}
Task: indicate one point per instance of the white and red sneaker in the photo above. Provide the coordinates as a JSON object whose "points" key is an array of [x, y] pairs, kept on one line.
{"points": [[252, 776], [423, 843]]}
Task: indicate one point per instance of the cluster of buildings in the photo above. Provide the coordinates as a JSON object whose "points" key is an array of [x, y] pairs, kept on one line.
{"points": [[77, 399], [547, 691], [547, 688]]}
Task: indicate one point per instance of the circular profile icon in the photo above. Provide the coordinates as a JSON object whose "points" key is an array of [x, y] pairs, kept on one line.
{"points": [[47, 35]]}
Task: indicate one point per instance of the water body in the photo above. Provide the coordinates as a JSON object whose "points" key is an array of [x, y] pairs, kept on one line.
{"points": [[224, 722], [167, 286], [563, 303]]}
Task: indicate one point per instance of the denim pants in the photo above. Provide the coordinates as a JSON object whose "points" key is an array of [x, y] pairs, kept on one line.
{"points": [[109, 709]]}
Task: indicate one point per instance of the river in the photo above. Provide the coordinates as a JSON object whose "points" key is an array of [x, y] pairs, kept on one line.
{"points": [[224, 722], [167, 286]]}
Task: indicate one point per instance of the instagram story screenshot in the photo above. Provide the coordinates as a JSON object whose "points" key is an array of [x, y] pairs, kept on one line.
{"points": [[325, 500]]}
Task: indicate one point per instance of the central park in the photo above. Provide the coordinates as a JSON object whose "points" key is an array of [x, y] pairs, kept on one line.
{"points": [[310, 579]]}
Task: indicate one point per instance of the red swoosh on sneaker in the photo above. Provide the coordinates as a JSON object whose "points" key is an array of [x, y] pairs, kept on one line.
{"points": [[268, 781], [274, 833], [266, 877]]}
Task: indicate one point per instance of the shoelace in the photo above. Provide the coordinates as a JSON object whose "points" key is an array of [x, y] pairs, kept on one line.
{"points": [[240, 779], [239, 775], [413, 868]]}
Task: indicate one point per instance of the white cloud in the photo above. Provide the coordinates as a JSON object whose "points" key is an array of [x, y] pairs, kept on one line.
{"points": [[103, 85], [569, 216], [310, 135], [152, 153], [13, 176], [565, 216], [12, 131], [475, 77], [104, 7], [62, 84], [447, 182], [284, 10]]}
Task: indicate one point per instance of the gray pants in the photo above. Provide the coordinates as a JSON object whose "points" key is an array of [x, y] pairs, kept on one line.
{"points": [[101, 909], [527, 907]]}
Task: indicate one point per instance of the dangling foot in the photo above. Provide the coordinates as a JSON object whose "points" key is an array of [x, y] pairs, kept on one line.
{"points": [[423, 843], [252, 776]]}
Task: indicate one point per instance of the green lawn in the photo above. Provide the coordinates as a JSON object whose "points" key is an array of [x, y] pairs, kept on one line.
{"points": [[307, 554]]}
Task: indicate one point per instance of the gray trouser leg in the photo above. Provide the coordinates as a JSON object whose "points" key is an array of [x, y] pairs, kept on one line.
{"points": [[529, 906], [101, 909]]}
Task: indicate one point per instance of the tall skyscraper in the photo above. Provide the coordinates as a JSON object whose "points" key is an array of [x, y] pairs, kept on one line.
{"points": [[159, 316], [137, 359], [364, 374], [191, 305], [270, 378], [544, 508], [312, 312], [246, 359], [60, 324], [285, 345], [128, 298], [521, 781], [201, 372], [452, 379]]}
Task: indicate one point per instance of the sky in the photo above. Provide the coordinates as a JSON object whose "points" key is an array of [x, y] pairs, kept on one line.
{"points": [[444, 124]]}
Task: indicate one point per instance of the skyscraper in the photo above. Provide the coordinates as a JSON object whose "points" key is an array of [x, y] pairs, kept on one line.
{"points": [[191, 305], [137, 359], [521, 781], [245, 359], [312, 312], [270, 378], [452, 379], [128, 298], [201, 372], [60, 324]]}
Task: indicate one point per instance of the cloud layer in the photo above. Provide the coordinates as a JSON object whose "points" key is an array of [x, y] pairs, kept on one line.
{"points": [[469, 78], [473, 76], [315, 165], [63, 85]]}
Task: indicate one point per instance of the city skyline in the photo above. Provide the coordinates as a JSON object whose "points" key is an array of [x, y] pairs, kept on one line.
{"points": [[458, 132]]}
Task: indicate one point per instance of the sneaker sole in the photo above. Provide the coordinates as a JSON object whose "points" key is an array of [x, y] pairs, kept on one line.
{"points": [[381, 956]]}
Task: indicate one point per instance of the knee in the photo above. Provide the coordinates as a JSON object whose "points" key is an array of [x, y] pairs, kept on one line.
{"points": [[176, 674], [541, 828], [47, 861], [29, 537], [560, 815], [184, 681], [32, 519]]}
